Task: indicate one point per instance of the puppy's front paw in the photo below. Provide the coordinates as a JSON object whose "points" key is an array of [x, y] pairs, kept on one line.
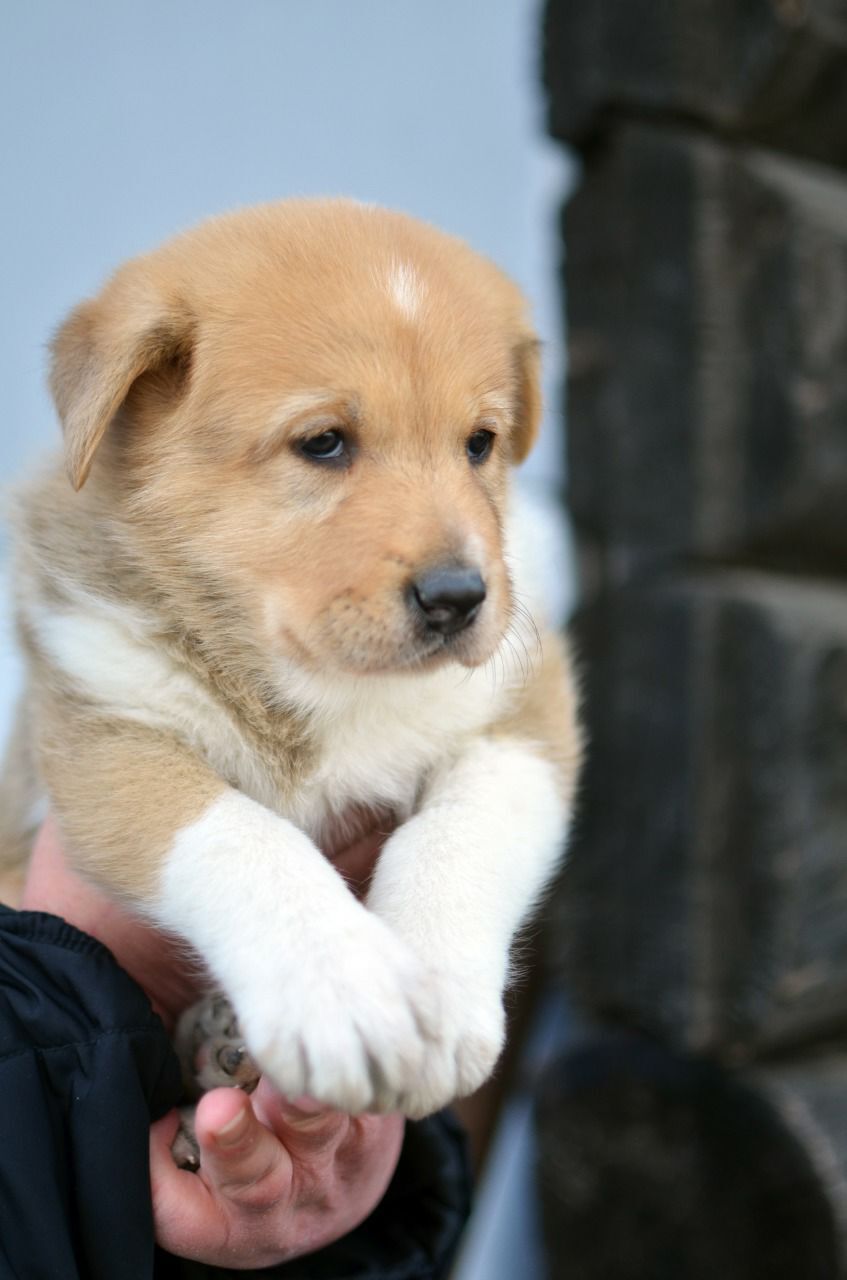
{"points": [[211, 1048], [469, 1043], [352, 1025]]}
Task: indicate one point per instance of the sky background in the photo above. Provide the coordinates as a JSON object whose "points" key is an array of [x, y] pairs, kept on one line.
{"points": [[124, 122]]}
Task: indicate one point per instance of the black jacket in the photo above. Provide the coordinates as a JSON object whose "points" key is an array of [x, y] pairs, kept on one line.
{"points": [[85, 1066]]}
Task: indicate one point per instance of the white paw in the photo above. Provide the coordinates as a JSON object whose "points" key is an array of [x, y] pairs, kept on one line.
{"points": [[470, 1040], [349, 1018]]}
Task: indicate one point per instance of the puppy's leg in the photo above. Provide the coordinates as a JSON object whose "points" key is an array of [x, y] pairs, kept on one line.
{"points": [[331, 1003], [457, 881]]}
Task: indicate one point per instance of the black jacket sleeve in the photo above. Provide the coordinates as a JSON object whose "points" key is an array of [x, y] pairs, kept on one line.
{"points": [[85, 1066]]}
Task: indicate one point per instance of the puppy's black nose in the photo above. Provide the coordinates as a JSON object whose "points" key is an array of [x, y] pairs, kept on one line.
{"points": [[449, 598]]}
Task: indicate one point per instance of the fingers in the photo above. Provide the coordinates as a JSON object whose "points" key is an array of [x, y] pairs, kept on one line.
{"points": [[277, 1178], [237, 1210], [309, 1131], [241, 1159], [183, 1210], [341, 1164]]}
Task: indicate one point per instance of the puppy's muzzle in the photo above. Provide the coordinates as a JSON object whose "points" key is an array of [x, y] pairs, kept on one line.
{"points": [[448, 598]]}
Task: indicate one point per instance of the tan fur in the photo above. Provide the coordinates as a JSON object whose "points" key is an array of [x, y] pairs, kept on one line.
{"points": [[546, 714], [183, 390], [20, 793], [120, 812]]}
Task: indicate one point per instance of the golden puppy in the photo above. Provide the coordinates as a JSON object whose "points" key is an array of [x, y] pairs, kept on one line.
{"points": [[277, 613]]}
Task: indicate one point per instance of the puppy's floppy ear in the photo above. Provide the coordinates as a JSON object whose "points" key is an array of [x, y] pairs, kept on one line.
{"points": [[103, 347], [527, 418]]}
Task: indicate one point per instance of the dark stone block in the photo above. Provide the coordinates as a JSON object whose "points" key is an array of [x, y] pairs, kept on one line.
{"points": [[707, 314], [620, 932], [661, 1166], [830, 17], [706, 893], [769, 71]]}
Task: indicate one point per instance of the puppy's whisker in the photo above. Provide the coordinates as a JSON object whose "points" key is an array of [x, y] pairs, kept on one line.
{"points": [[491, 672], [526, 617], [503, 675], [465, 677], [521, 659]]}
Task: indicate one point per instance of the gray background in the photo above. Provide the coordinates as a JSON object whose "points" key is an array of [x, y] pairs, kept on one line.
{"points": [[124, 121]]}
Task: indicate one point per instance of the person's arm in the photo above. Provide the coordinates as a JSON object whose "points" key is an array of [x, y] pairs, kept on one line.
{"points": [[85, 1065]]}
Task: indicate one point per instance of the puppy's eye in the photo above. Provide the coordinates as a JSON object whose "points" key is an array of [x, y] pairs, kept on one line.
{"points": [[479, 445], [329, 446]]}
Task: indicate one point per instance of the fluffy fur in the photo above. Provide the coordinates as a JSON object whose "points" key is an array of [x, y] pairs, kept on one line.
{"points": [[228, 678]]}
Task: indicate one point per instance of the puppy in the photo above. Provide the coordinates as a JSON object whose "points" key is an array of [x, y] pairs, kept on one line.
{"points": [[273, 612]]}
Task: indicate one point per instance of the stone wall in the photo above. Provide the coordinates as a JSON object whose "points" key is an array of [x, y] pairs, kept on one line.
{"points": [[705, 903]]}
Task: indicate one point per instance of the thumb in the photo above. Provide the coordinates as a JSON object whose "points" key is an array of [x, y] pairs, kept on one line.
{"points": [[239, 1156]]}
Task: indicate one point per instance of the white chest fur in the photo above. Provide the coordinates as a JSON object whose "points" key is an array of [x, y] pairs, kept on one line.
{"points": [[379, 737], [376, 738]]}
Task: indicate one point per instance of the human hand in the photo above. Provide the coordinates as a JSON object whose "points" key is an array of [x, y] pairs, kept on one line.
{"points": [[276, 1180], [291, 1178]]}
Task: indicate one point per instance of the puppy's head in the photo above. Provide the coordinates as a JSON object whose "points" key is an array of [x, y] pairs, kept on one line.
{"points": [[309, 410]]}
